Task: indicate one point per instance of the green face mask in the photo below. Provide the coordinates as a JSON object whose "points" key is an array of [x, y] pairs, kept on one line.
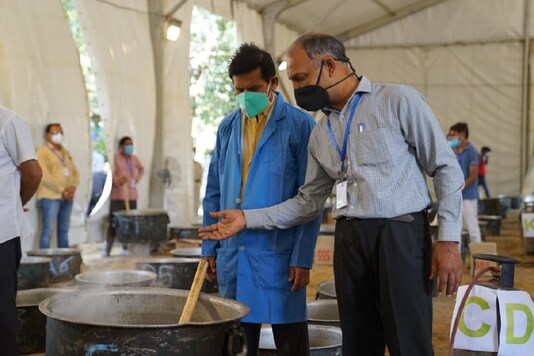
{"points": [[253, 103]]}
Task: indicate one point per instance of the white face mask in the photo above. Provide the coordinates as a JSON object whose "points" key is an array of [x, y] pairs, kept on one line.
{"points": [[57, 138]]}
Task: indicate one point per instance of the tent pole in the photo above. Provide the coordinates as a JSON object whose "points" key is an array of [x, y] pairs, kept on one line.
{"points": [[525, 98], [156, 30]]}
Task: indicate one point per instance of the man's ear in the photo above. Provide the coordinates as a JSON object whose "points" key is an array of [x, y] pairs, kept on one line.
{"points": [[274, 82], [329, 65]]}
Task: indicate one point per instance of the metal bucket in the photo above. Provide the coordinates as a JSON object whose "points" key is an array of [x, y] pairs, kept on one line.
{"points": [[184, 232], [141, 226], [323, 312], [187, 252], [324, 341], [141, 321], [174, 273], [31, 322], [117, 278], [326, 290], [65, 262], [34, 272]]}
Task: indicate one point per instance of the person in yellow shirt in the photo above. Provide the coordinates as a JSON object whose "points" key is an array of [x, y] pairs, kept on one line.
{"points": [[56, 192]]}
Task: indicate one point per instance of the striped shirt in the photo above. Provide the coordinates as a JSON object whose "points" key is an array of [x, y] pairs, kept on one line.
{"points": [[395, 141]]}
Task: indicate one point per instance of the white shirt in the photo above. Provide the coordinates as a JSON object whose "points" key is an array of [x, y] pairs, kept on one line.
{"points": [[16, 146]]}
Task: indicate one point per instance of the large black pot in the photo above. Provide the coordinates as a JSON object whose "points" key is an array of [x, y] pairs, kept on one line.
{"points": [[324, 341], [141, 321], [65, 262], [326, 290], [174, 273], [31, 322], [34, 272], [184, 232], [141, 226]]}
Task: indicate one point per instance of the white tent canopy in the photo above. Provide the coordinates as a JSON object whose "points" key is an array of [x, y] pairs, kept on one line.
{"points": [[470, 58]]}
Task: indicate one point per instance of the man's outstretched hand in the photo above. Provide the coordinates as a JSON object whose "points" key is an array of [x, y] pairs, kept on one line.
{"points": [[231, 222]]}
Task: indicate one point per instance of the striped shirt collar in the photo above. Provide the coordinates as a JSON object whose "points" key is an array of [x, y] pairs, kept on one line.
{"points": [[364, 86]]}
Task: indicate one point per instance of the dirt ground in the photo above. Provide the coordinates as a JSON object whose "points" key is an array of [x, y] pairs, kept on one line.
{"points": [[509, 243]]}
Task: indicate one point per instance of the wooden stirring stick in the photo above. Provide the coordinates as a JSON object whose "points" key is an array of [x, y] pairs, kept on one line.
{"points": [[192, 297]]}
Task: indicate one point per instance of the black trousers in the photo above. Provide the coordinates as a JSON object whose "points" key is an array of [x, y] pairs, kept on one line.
{"points": [[381, 268], [290, 339], [10, 254], [116, 205]]}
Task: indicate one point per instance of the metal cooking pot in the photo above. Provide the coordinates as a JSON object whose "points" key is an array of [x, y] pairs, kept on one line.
{"points": [[184, 232], [324, 341], [65, 262], [117, 278], [326, 290], [31, 322], [34, 272], [187, 252], [141, 226], [323, 312], [141, 321], [174, 273]]}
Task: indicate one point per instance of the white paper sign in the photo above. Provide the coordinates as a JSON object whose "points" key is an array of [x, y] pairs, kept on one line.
{"points": [[527, 221], [477, 330], [517, 323]]}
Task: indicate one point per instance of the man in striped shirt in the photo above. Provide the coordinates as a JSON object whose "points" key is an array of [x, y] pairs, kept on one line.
{"points": [[375, 147]]}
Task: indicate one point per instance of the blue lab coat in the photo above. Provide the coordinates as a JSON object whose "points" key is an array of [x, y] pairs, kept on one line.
{"points": [[253, 266]]}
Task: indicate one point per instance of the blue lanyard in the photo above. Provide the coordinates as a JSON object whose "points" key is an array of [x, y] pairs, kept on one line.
{"points": [[61, 159], [343, 152]]}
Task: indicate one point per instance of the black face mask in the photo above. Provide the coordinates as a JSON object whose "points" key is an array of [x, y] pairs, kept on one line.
{"points": [[315, 97]]}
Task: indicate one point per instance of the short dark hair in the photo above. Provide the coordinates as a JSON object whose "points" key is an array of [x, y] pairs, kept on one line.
{"points": [[485, 149], [320, 45], [247, 58], [460, 127], [49, 126], [123, 140]]}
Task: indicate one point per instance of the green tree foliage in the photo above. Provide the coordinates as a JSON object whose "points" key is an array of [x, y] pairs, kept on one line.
{"points": [[97, 134], [212, 45]]}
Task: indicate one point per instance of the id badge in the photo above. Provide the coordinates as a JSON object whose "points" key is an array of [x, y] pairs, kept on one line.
{"points": [[66, 172], [341, 195]]}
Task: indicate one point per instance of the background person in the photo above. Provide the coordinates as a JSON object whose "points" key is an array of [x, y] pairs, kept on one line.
{"points": [[20, 175], [260, 160], [469, 160], [484, 157], [375, 146], [56, 192], [127, 172]]}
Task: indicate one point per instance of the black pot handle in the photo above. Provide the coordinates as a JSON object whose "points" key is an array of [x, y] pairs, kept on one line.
{"points": [[237, 341]]}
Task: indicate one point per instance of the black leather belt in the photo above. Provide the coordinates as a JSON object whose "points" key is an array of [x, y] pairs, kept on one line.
{"points": [[407, 218]]}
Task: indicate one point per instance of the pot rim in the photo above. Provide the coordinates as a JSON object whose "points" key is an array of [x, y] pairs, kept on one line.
{"points": [[319, 302], [141, 212], [321, 288], [52, 291], [186, 251], [30, 260], [241, 308], [328, 328], [54, 252], [166, 260], [147, 276]]}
